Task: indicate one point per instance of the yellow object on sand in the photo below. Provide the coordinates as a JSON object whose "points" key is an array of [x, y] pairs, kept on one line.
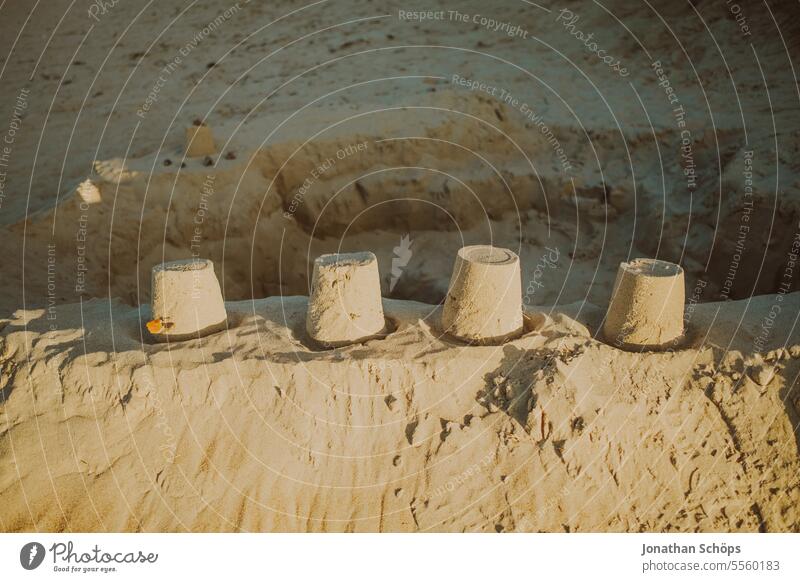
{"points": [[155, 326]]}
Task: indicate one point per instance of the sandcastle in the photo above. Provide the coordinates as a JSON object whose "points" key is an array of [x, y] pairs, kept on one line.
{"points": [[484, 299], [483, 304], [89, 193], [199, 141], [345, 302], [646, 308], [186, 300]]}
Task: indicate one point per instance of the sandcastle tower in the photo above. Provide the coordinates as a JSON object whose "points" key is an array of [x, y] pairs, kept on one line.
{"points": [[89, 193], [646, 309], [345, 303], [484, 300], [199, 141], [187, 301]]}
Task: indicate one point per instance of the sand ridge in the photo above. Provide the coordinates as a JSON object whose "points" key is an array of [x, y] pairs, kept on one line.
{"points": [[554, 431]]}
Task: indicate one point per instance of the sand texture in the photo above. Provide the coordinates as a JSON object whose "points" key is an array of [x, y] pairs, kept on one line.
{"points": [[484, 299], [250, 429], [187, 301], [647, 305], [345, 303], [407, 390]]}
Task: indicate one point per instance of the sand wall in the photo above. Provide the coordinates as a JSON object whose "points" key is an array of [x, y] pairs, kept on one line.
{"points": [[253, 429]]}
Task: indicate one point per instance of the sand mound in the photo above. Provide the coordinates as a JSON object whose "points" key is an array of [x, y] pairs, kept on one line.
{"points": [[252, 429]]}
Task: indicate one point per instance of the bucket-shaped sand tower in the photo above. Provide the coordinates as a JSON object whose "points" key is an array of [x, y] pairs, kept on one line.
{"points": [[646, 309], [199, 141], [187, 301], [484, 300], [345, 303]]}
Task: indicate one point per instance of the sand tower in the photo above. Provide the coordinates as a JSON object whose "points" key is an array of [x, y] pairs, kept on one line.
{"points": [[199, 141], [345, 303], [646, 309], [187, 301], [484, 300], [89, 193]]}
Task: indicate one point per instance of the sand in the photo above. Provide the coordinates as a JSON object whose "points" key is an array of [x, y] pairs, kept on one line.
{"points": [[199, 141], [345, 303], [484, 299], [647, 305], [187, 301], [140, 135], [252, 429]]}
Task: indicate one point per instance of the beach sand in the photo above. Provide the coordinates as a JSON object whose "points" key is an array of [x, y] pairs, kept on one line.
{"points": [[357, 127]]}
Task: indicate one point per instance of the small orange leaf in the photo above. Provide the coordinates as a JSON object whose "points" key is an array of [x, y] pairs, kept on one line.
{"points": [[155, 326]]}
